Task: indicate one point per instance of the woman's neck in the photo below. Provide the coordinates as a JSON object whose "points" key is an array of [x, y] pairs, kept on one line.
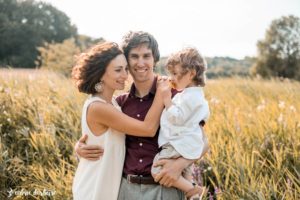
{"points": [[105, 95]]}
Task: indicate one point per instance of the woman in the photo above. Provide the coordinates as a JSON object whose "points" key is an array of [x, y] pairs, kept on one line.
{"points": [[99, 72]]}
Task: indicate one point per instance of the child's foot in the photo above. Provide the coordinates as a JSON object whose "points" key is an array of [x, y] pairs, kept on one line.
{"points": [[196, 193]]}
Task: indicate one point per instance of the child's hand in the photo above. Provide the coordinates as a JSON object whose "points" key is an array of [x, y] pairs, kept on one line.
{"points": [[164, 88], [165, 92]]}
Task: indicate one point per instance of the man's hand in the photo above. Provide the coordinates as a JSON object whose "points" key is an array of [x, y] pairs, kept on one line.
{"points": [[170, 172], [89, 152]]}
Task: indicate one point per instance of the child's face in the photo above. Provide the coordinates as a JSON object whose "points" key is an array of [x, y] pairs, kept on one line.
{"points": [[179, 80]]}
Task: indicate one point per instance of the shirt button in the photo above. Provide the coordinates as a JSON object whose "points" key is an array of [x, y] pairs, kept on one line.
{"points": [[141, 144], [138, 115], [141, 160], [141, 100]]}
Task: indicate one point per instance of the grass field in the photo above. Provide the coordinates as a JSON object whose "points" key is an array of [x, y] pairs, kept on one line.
{"points": [[253, 131]]}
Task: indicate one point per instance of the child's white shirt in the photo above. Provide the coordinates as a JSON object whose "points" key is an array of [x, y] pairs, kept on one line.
{"points": [[179, 124]]}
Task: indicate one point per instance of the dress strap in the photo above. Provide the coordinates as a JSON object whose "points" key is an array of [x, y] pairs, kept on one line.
{"points": [[93, 98]]}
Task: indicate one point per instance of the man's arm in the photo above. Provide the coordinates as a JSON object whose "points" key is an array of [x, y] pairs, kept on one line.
{"points": [[89, 152], [171, 170]]}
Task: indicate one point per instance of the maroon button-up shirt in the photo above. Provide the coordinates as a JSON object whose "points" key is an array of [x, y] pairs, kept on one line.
{"points": [[140, 151]]}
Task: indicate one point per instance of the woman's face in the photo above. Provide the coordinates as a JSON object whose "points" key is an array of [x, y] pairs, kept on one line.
{"points": [[116, 74]]}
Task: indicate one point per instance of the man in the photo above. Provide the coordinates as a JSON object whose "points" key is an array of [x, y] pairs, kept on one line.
{"points": [[141, 52]]}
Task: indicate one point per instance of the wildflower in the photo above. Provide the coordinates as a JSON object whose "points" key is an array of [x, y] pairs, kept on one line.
{"points": [[217, 190], [289, 183], [41, 119], [292, 108], [281, 104], [260, 107], [280, 118], [214, 101], [211, 197], [7, 90]]}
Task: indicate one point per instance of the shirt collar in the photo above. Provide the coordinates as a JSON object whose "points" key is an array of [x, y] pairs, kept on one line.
{"points": [[193, 89], [152, 90]]}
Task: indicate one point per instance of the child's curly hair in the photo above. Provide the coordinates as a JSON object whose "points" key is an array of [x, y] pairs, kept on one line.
{"points": [[189, 59]]}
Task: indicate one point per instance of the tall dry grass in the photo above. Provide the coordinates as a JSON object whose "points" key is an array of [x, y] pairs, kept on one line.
{"points": [[253, 131], [254, 136], [39, 122]]}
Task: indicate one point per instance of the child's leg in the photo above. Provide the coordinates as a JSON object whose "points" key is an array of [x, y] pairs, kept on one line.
{"points": [[186, 184], [191, 190], [183, 184]]}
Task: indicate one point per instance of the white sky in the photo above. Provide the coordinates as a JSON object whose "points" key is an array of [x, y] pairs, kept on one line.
{"points": [[216, 27]]}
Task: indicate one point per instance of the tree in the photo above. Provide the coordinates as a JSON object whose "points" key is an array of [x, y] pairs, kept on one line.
{"points": [[279, 52], [60, 57], [25, 25], [84, 41]]}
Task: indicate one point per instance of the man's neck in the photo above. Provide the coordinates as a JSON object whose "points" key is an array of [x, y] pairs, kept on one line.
{"points": [[143, 88]]}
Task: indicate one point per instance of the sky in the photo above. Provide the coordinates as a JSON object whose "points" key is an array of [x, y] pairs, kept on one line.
{"points": [[215, 27]]}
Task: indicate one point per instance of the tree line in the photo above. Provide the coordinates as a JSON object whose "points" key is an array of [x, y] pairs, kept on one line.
{"points": [[36, 34], [26, 25]]}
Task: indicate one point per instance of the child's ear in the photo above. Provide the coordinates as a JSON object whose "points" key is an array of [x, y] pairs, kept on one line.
{"points": [[193, 73]]}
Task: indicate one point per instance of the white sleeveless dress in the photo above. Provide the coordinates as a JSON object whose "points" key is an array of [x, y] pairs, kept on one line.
{"points": [[100, 180]]}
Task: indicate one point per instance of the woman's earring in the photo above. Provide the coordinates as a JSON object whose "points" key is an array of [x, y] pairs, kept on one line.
{"points": [[99, 87]]}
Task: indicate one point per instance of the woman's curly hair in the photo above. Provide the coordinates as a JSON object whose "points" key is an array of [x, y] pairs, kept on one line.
{"points": [[92, 64]]}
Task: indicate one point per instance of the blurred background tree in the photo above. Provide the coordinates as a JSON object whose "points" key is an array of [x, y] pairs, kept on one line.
{"points": [[279, 51], [218, 66], [60, 57], [25, 25]]}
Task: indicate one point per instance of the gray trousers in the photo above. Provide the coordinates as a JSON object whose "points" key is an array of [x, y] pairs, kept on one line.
{"points": [[133, 191]]}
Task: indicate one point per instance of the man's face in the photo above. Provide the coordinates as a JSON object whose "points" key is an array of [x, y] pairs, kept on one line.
{"points": [[141, 63]]}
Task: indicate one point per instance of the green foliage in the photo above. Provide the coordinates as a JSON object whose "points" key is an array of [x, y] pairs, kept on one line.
{"points": [[84, 42], [26, 25], [60, 57], [218, 66], [228, 67], [279, 51]]}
